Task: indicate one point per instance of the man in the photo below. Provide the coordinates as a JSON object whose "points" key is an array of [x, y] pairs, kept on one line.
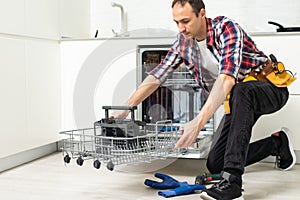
{"points": [[220, 47]]}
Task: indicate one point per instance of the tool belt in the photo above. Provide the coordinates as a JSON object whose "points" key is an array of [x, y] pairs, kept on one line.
{"points": [[272, 71]]}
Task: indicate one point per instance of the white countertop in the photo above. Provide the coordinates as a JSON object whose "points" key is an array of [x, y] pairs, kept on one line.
{"points": [[161, 36]]}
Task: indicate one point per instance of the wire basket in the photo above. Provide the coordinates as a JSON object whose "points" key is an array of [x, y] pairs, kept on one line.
{"points": [[156, 143]]}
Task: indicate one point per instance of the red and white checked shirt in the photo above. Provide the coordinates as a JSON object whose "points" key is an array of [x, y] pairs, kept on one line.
{"points": [[232, 47]]}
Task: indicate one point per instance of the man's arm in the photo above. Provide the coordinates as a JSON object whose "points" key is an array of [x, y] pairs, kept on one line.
{"points": [[191, 130], [147, 87]]}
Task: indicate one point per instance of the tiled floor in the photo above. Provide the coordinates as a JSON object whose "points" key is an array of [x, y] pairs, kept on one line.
{"points": [[48, 178]]}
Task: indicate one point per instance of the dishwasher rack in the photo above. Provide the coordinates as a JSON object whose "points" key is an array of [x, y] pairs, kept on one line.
{"points": [[90, 143]]}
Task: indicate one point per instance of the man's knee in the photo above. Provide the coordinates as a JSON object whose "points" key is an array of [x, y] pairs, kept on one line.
{"points": [[213, 166], [241, 90]]}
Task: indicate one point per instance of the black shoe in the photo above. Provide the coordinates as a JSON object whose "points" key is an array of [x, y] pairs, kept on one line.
{"points": [[286, 158], [229, 188]]}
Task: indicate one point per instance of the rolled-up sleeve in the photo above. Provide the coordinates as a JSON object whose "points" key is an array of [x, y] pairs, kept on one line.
{"points": [[170, 63]]}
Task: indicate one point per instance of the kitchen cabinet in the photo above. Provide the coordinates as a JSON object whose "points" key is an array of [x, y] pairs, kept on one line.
{"points": [[30, 95], [286, 117], [285, 48], [30, 80], [13, 95]]}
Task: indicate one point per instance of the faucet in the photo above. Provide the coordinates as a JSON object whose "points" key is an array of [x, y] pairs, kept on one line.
{"points": [[123, 19]]}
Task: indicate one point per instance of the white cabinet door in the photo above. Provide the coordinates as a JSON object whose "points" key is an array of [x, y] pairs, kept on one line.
{"points": [[43, 99], [288, 117], [13, 96], [286, 49]]}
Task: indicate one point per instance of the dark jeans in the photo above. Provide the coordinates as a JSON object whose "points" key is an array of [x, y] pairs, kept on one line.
{"points": [[231, 149]]}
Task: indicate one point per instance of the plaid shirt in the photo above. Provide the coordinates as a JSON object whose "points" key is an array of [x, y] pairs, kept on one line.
{"points": [[232, 47]]}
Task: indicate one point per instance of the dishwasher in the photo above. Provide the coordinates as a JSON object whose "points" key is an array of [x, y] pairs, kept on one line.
{"points": [[178, 99]]}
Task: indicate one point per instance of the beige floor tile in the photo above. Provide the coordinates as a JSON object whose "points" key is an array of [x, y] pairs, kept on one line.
{"points": [[48, 178]]}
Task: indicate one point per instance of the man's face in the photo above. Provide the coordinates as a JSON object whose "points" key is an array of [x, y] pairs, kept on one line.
{"points": [[187, 21]]}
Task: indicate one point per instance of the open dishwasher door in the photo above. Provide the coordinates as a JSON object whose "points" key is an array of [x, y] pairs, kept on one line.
{"points": [[179, 99]]}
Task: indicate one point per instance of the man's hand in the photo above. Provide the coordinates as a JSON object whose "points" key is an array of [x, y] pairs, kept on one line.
{"points": [[119, 114], [191, 130], [189, 133]]}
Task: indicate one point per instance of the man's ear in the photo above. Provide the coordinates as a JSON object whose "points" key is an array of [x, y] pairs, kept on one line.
{"points": [[202, 13]]}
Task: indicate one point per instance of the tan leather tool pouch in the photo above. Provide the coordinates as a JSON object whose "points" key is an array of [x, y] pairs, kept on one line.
{"points": [[270, 72]]}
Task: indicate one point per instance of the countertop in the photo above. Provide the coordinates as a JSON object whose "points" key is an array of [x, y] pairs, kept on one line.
{"points": [[172, 35]]}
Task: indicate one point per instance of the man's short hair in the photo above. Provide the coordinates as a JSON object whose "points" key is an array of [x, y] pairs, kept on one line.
{"points": [[197, 5]]}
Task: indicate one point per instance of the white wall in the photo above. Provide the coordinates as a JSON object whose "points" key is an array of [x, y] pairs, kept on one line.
{"points": [[140, 14], [31, 18], [75, 18], [29, 75], [253, 16]]}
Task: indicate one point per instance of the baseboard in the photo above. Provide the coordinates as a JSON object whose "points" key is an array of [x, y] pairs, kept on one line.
{"points": [[27, 156]]}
